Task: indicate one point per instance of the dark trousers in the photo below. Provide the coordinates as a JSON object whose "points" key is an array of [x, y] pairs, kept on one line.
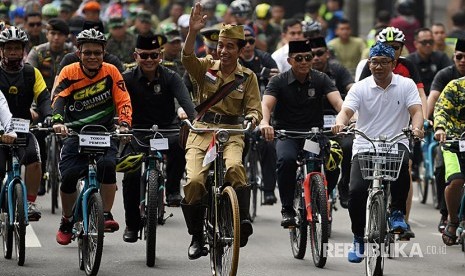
{"points": [[358, 193], [175, 164], [267, 153], [287, 152], [346, 143]]}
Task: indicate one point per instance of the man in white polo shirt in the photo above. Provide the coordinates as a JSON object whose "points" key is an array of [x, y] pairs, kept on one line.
{"points": [[385, 103]]}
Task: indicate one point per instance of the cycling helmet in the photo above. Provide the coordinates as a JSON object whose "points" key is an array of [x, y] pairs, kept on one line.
{"points": [[129, 163], [262, 11], [334, 158], [49, 10], [391, 34], [240, 8], [311, 27], [91, 36], [13, 34], [2, 25]]}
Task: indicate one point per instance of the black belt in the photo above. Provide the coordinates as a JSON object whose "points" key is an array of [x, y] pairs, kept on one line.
{"points": [[215, 118]]}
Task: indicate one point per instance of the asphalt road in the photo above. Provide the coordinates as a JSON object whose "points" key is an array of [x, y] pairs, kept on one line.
{"points": [[268, 252]]}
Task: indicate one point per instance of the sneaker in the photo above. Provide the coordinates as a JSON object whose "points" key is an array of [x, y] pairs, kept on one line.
{"points": [[173, 200], [110, 224], [397, 222], [65, 232], [42, 188], [408, 234], [356, 253], [442, 224], [270, 199], [288, 218], [33, 212]]}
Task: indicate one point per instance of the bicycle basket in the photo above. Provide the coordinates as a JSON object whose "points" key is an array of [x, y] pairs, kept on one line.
{"points": [[380, 165]]}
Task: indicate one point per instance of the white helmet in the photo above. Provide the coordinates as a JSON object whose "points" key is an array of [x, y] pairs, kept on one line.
{"points": [[391, 34]]}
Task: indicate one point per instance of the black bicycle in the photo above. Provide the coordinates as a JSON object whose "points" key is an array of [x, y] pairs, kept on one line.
{"points": [[221, 221], [253, 172]]}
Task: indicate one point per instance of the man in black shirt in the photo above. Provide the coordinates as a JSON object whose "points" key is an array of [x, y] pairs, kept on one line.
{"points": [[153, 89], [343, 80], [297, 99]]}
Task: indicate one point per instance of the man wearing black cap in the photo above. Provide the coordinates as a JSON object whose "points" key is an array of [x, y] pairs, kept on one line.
{"points": [[107, 56], [47, 57], [244, 99], [296, 97], [442, 78], [153, 89], [343, 80]]}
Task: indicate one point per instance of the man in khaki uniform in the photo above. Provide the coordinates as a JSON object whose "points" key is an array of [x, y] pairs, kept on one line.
{"points": [[211, 75]]}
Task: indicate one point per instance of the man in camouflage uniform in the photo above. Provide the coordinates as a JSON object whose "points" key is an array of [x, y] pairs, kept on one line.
{"points": [[172, 49], [120, 42]]}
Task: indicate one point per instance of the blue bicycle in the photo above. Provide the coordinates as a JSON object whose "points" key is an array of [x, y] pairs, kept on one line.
{"points": [[427, 177], [13, 203], [88, 218]]}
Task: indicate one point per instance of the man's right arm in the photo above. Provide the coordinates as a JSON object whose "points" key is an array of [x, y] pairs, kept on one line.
{"points": [[268, 104]]}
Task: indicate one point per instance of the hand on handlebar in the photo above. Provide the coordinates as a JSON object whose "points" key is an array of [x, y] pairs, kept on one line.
{"points": [[440, 135], [338, 128], [8, 138], [267, 131], [60, 129]]}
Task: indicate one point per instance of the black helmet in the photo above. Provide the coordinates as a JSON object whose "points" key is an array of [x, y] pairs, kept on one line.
{"points": [[406, 7]]}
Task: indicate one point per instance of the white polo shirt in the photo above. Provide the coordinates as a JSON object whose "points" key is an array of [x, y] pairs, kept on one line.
{"points": [[381, 111], [280, 56]]}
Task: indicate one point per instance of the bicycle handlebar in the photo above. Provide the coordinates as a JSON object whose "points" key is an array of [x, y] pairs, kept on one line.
{"points": [[206, 130]]}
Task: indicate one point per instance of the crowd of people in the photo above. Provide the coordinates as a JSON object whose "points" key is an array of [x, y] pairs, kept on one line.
{"points": [[71, 63]]}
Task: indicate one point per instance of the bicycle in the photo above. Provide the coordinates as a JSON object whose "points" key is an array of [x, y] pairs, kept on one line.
{"points": [[379, 164], [52, 176], [311, 195], [253, 174], [88, 219], [427, 177], [458, 146], [152, 186], [221, 220], [13, 204]]}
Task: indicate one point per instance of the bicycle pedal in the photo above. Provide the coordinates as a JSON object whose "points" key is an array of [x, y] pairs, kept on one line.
{"points": [[204, 252]]}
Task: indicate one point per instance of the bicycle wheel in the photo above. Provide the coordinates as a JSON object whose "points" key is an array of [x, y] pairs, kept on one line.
{"points": [[375, 233], [252, 176], [92, 243], [319, 223], [20, 223], [422, 185], [434, 192], [226, 242], [152, 217], [53, 177], [7, 230], [161, 200], [298, 235]]}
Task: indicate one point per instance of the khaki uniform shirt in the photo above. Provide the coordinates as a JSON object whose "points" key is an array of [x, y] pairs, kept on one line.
{"points": [[243, 101]]}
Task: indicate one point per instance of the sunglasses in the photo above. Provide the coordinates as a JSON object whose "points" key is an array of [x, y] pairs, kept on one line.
{"points": [[90, 53], [426, 42], [382, 63], [147, 55], [34, 24], [251, 41], [318, 53], [459, 56], [300, 58]]}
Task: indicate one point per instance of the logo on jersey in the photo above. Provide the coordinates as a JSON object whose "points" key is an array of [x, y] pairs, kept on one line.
{"points": [[13, 90], [91, 90], [311, 92], [121, 85]]}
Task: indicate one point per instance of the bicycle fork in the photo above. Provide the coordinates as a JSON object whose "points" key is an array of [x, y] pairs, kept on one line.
{"points": [[308, 194]]}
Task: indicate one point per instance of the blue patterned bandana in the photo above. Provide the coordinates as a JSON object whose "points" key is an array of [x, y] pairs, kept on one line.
{"points": [[382, 49]]}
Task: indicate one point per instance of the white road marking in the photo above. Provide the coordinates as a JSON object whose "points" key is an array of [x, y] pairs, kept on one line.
{"points": [[31, 238]]}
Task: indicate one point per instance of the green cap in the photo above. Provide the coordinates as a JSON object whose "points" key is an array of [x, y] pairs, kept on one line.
{"points": [[232, 31], [171, 31], [116, 22]]}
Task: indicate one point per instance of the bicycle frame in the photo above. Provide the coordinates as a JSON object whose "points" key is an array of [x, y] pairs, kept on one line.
{"points": [[14, 176], [428, 148]]}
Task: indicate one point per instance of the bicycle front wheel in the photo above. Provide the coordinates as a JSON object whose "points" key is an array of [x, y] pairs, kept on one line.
{"points": [[226, 241], [53, 179], [20, 223], [298, 234], [7, 230], [375, 233], [152, 218], [92, 243], [319, 223], [422, 186]]}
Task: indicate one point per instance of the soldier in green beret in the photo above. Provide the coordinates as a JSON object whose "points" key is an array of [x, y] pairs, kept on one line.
{"points": [[210, 76]]}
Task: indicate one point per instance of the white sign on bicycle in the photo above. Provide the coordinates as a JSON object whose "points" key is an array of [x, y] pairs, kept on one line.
{"points": [[462, 145], [20, 125], [99, 141], [386, 148], [159, 144], [329, 121], [312, 147]]}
